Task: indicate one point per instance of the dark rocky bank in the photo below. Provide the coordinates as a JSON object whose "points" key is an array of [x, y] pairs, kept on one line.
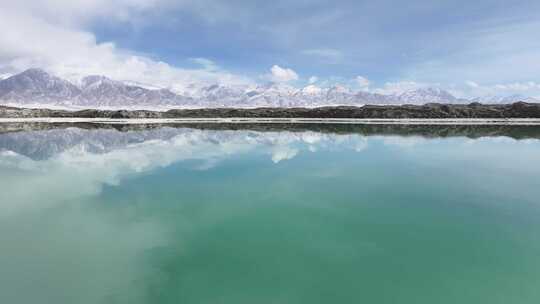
{"points": [[433, 110]]}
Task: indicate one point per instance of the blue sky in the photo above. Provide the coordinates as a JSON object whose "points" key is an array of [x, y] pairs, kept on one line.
{"points": [[469, 47]]}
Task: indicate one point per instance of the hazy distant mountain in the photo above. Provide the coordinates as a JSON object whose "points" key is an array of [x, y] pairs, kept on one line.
{"points": [[422, 96], [504, 99], [37, 87]]}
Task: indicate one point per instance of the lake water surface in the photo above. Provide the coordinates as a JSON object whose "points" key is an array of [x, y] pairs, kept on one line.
{"points": [[257, 214]]}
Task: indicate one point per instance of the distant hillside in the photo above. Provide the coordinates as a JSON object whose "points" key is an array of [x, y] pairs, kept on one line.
{"points": [[432, 110]]}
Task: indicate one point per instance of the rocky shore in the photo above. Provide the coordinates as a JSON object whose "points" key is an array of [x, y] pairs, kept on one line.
{"points": [[428, 111]]}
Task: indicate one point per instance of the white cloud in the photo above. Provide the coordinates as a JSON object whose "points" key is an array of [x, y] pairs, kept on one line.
{"points": [[54, 35], [282, 153], [34, 39], [279, 74]]}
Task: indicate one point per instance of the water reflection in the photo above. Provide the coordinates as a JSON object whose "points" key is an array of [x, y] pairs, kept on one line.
{"points": [[67, 163], [135, 214], [70, 163]]}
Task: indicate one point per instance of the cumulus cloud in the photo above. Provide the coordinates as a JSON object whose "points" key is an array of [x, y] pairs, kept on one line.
{"points": [[279, 74], [283, 153], [56, 35], [63, 47], [313, 79]]}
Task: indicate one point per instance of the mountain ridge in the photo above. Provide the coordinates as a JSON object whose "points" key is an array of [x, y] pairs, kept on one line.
{"points": [[36, 87]]}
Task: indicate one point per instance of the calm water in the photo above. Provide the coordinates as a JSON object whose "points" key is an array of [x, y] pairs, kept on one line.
{"points": [[186, 215]]}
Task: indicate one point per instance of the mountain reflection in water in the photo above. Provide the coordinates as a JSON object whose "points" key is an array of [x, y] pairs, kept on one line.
{"points": [[225, 213]]}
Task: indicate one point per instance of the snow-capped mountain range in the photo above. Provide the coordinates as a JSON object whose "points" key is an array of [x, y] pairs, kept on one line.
{"points": [[37, 88]]}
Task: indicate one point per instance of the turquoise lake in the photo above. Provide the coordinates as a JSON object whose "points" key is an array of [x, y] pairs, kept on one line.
{"points": [[255, 214]]}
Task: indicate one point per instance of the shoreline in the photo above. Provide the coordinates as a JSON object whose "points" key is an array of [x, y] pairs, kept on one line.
{"points": [[473, 114], [243, 120]]}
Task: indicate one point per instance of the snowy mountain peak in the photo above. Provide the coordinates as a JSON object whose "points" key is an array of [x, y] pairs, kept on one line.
{"points": [[339, 89], [96, 80], [311, 90], [427, 95], [36, 78], [279, 88], [497, 99], [37, 87], [35, 73]]}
